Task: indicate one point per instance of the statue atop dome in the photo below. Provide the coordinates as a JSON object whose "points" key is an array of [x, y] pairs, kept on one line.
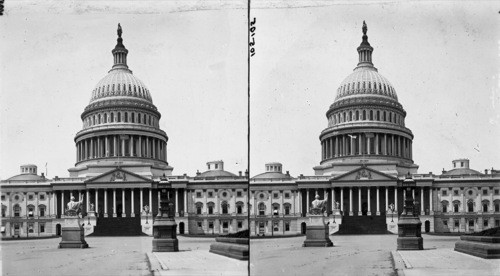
{"points": [[365, 28], [119, 31]]}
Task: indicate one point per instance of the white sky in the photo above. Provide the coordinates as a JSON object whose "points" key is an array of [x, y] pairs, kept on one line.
{"points": [[194, 62], [441, 57]]}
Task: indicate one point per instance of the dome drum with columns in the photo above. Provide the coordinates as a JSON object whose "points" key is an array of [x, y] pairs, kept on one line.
{"points": [[121, 125], [366, 121]]}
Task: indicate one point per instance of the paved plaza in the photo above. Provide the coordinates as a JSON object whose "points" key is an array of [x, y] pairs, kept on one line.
{"points": [[365, 255], [115, 256]]}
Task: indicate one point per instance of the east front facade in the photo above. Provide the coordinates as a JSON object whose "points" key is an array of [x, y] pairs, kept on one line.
{"points": [[121, 159], [367, 152]]}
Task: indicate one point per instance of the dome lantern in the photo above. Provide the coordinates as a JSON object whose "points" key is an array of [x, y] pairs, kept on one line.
{"points": [[120, 52], [365, 50]]}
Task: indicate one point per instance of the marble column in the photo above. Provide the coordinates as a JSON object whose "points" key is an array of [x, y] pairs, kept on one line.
{"points": [[307, 200], [140, 199], [87, 206], [378, 202], [431, 207], [376, 144], [342, 199], [132, 199], [395, 198], [124, 212], [151, 199], [114, 203], [176, 203], [359, 201], [351, 213], [115, 146], [422, 211], [106, 146], [96, 191], [386, 198], [185, 201], [105, 203], [62, 203], [139, 148]]}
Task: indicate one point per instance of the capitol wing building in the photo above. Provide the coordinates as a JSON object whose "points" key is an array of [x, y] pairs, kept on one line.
{"points": [[121, 158], [366, 153]]}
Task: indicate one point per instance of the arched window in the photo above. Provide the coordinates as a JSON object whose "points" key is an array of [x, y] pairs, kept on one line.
{"points": [[144, 119], [17, 210], [149, 119], [456, 206], [470, 206], [276, 209], [357, 115], [371, 115], [199, 207], [364, 115], [383, 117], [125, 117], [262, 209], [350, 116], [133, 117], [99, 118], [118, 117], [485, 206], [225, 207], [210, 207], [378, 116], [41, 210], [239, 207], [105, 117], [497, 205], [31, 211], [4, 210], [444, 204], [287, 207]]}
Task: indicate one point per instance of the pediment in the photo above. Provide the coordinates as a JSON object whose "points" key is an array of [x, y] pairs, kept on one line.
{"points": [[364, 174], [118, 176]]}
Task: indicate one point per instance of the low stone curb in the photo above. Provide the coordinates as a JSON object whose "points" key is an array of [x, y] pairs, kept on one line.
{"points": [[399, 264]]}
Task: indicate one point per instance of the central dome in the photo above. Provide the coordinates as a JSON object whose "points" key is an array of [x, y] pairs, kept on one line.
{"points": [[366, 81], [120, 83]]}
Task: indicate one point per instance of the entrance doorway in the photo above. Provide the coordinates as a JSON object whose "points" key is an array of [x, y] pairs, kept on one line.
{"points": [[427, 226], [181, 228], [303, 228], [364, 209], [58, 229]]}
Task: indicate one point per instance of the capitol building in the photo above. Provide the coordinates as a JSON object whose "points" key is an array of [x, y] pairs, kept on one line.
{"points": [[121, 157], [366, 153]]}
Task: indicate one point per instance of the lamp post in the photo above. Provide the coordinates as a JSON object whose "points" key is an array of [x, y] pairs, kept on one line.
{"points": [[409, 225], [164, 227]]}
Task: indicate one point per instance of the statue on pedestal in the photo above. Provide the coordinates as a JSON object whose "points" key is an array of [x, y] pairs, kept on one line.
{"points": [[72, 231], [317, 230]]}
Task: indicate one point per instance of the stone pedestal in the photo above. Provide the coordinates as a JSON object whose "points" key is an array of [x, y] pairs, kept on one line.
{"points": [[317, 232], [165, 235], [72, 233], [409, 233]]}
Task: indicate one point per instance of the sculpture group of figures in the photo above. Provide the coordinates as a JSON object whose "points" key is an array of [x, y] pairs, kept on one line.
{"points": [[74, 207]]}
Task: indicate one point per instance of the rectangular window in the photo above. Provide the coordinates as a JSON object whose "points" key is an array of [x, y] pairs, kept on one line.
{"points": [[216, 166], [210, 194], [42, 227], [42, 197], [485, 223], [198, 194], [455, 192], [30, 197], [444, 192], [3, 197], [239, 194], [199, 225], [276, 226], [276, 195], [485, 192], [210, 225], [240, 224], [445, 222], [287, 195], [457, 223], [287, 226], [497, 223], [239, 209], [471, 223], [497, 192], [30, 228]]}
